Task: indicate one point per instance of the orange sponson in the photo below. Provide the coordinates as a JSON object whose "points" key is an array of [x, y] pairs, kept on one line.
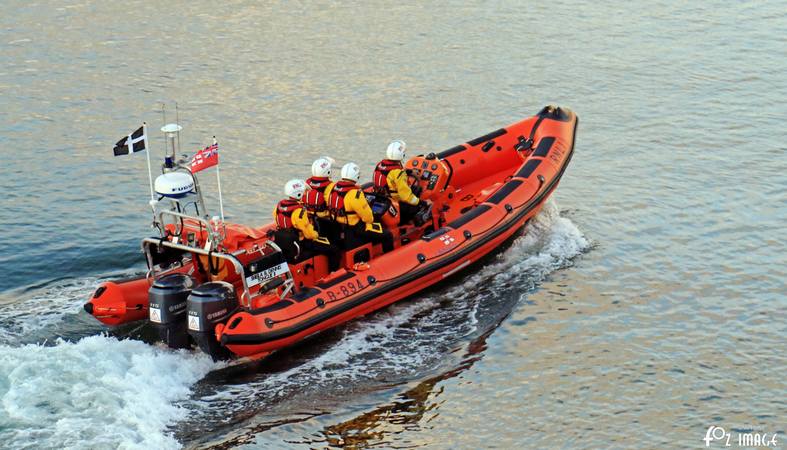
{"points": [[480, 192], [120, 301], [484, 191]]}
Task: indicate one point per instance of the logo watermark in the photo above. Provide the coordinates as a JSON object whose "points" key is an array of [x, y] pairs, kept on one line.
{"points": [[719, 436]]}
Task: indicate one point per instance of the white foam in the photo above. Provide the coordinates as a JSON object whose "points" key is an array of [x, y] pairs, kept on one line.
{"points": [[412, 336], [46, 308], [364, 337], [548, 243], [99, 392]]}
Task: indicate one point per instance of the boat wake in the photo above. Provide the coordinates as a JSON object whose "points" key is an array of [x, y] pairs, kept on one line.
{"points": [[52, 311], [406, 341], [100, 391]]}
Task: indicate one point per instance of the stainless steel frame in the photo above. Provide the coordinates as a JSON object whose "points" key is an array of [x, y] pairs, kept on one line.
{"points": [[234, 261], [245, 296]]}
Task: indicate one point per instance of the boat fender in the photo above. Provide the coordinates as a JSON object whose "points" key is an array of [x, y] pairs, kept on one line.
{"points": [[321, 303], [467, 234], [509, 208], [372, 280], [421, 258], [268, 322]]}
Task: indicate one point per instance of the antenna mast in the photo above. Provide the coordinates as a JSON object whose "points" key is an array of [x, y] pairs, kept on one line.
{"points": [[218, 181], [177, 122]]}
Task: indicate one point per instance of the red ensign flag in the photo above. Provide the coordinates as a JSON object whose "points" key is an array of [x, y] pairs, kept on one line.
{"points": [[207, 157]]}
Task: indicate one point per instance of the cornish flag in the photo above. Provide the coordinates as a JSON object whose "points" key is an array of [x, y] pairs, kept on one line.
{"points": [[207, 157], [134, 142]]}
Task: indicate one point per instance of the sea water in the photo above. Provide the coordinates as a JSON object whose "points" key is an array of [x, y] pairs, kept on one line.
{"points": [[644, 305]]}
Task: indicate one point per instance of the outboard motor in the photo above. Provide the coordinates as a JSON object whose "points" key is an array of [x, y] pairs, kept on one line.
{"points": [[167, 308], [208, 305]]}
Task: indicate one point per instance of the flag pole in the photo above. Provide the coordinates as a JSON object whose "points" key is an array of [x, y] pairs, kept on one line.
{"points": [[177, 121], [150, 171], [164, 114], [218, 180]]}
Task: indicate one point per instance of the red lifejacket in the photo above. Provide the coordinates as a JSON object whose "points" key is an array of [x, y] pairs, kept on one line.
{"points": [[314, 198], [381, 172], [340, 189], [284, 211]]}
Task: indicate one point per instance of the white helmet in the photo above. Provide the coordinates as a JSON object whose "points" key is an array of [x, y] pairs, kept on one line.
{"points": [[396, 150], [321, 167], [295, 189], [351, 171]]}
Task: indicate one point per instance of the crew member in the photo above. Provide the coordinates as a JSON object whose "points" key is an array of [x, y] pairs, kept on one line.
{"points": [[391, 180], [349, 207], [316, 199], [295, 233]]}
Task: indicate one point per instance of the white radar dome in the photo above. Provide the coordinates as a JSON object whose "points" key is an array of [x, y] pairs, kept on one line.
{"points": [[174, 184]]}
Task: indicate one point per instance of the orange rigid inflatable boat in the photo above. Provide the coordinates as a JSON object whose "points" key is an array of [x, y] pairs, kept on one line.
{"points": [[230, 290]]}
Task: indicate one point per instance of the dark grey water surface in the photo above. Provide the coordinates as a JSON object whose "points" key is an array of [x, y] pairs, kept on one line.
{"points": [[646, 304]]}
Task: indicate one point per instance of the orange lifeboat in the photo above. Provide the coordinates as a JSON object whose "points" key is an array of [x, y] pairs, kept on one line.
{"points": [[244, 299]]}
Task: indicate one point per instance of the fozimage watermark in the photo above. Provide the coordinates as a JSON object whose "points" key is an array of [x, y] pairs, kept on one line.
{"points": [[720, 436]]}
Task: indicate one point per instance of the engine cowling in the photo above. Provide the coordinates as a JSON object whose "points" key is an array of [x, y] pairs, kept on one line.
{"points": [[209, 305], [168, 298]]}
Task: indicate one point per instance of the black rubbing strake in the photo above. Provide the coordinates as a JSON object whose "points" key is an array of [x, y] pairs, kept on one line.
{"points": [[451, 151], [234, 323], [503, 192], [468, 216], [270, 308], [336, 281], [543, 146], [303, 294], [528, 169], [487, 137], [434, 234]]}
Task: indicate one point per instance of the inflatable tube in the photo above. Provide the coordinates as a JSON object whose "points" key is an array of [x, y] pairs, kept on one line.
{"points": [[499, 181]]}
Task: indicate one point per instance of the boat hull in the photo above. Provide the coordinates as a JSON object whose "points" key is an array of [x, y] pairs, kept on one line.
{"points": [[465, 240], [481, 193]]}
